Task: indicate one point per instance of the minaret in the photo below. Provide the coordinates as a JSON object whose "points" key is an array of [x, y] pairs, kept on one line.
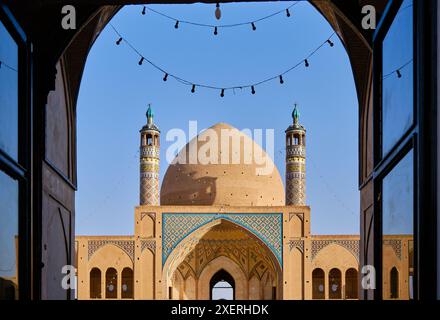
{"points": [[295, 162], [149, 162]]}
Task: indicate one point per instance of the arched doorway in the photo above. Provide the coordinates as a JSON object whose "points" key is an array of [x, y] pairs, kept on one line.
{"points": [[127, 284], [394, 283], [335, 284], [222, 286], [318, 284], [351, 284], [95, 284], [111, 283]]}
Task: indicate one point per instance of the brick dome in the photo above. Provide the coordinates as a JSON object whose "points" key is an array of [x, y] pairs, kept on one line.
{"points": [[241, 181]]}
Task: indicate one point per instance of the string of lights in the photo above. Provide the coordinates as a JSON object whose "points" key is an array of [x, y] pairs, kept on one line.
{"points": [[216, 27], [194, 85], [397, 71], [3, 64]]}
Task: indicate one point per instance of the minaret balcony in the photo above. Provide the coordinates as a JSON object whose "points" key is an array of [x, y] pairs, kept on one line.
{"points": [[297, 150], [150, 151]]}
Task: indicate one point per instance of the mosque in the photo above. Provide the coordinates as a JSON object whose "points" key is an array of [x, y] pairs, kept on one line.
{"points": [[228, 229]]}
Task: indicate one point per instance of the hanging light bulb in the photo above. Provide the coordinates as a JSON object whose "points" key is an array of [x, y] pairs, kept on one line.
{"points": [[143, 10], [165, 77], [177, 24], [287, 13], [218, 12], [222, 94], [119, 41], [253, 26], [306, 63], [281, 79], [253, 89], [399, 75], [193, 89], [215, 30], [330, 43], [140, 61]]}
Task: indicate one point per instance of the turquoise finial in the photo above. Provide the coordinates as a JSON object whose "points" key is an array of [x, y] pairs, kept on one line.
{"points": [[150, 113], [295, 114]]}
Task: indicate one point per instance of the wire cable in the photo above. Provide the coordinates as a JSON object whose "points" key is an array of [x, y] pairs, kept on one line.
{"points": [[198, 24], [194, 84]]}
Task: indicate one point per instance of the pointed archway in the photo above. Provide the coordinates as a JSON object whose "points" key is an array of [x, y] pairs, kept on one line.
{"points": [[222, 268], [222, 245], [222, 286]]}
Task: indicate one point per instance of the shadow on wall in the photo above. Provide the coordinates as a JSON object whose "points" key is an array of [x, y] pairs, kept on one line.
{"points": [[188, 190]]}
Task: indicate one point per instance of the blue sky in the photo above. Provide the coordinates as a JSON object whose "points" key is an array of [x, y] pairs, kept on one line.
{"points": [[115, 92]]}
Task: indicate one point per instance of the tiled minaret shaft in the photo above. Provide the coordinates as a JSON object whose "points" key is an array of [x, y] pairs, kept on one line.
{"points": [[149, 162], [295, 162]]}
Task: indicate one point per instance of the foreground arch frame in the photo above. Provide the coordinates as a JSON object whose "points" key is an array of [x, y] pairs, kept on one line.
{"points": [[54, 69]]}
